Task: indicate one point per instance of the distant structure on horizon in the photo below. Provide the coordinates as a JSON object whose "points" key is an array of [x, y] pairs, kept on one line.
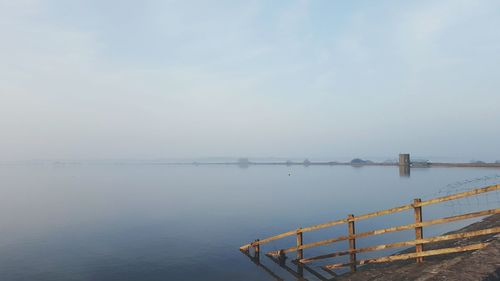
{"points": [[359, 161], [404, 165], [404, 159], [244, 162]]}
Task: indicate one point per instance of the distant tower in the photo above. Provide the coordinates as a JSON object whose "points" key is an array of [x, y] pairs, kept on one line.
{"points": [[404, 165], [404, 159]]}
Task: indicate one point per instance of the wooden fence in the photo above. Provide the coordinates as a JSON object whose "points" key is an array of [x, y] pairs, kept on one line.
{"points": [[351, 236]]}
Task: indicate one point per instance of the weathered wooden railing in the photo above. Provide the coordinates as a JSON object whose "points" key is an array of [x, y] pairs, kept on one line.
{"points": [[418, 226]]}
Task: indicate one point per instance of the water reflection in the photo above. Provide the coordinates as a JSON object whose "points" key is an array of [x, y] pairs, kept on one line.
{"points": [[256, 260], [297, 273], [404, 171]]}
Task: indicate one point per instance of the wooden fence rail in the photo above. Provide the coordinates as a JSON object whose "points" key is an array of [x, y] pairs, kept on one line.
{"points": [[351, 236], [413, 255]]}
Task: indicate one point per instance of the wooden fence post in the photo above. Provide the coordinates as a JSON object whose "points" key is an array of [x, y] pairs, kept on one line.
{"points": [[281, 257], [419, 232], [300, 252], [257, 250], [352, 242]]}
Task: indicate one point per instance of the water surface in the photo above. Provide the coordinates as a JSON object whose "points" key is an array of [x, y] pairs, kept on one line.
{"points": [[159, 222]]}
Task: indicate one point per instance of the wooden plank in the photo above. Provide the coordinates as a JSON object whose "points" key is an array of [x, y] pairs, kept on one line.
{"points": [[330, 271], [459, 195], [393, 229], [384, 212], [269, 239], [331, 255], [378, 213], [276, 237], [311, 245], [462, 235], [323, 225], [430, 202], [419, 232], [336, 265], [361, 217], [414, 255], [427, 223], [245, 247]]}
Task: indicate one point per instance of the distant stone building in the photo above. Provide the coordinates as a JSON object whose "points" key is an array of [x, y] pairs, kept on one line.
{"points": [[404, 159]]}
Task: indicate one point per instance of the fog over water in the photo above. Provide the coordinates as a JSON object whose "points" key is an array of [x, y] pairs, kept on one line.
{"points": [[123, 79]]}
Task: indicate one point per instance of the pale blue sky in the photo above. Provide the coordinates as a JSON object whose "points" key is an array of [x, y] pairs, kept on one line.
{"points": [[146, 79]]}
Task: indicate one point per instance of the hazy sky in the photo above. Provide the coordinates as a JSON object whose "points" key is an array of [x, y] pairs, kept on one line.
{"points": [[145, 79]]}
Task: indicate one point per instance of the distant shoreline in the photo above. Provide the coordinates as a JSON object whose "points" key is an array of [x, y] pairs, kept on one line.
{"points": [[413, 165], [270, 163]]}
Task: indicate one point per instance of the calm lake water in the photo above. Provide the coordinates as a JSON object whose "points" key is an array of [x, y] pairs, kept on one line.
{"points": [[154, 222]]}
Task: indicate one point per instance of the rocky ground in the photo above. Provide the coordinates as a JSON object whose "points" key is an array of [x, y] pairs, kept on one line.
{"points": [[481, 265]]}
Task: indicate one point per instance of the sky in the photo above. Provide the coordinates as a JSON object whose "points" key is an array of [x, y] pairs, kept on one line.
{"points": [[93, 79]]}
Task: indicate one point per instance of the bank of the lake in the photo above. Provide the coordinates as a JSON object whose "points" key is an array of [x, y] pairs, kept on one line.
{"points": [[481, 265]]}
